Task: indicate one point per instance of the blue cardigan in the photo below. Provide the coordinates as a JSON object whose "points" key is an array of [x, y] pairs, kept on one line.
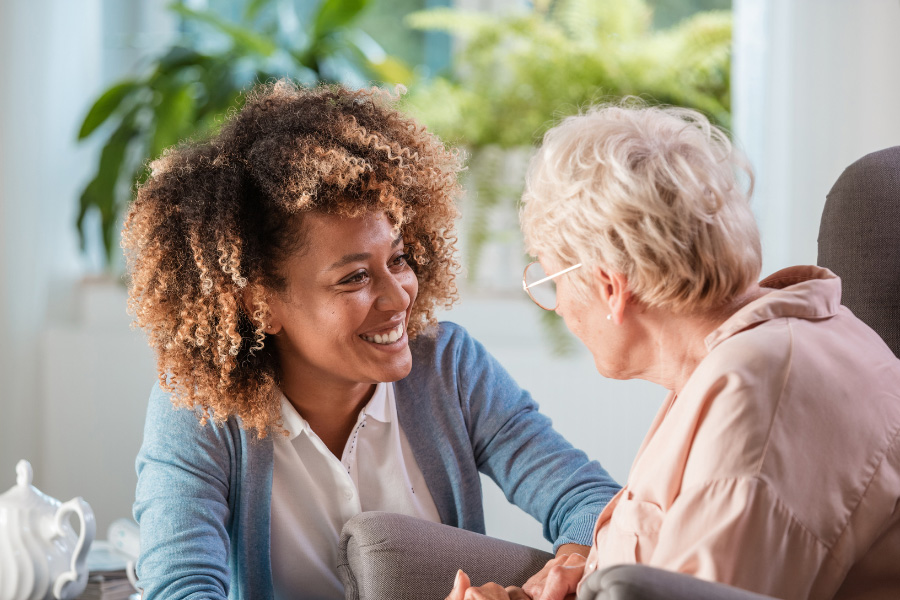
{"points": [[203, 493]]}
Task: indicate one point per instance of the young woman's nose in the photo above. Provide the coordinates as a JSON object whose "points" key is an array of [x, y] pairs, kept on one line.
{"points": [[392, 295]]}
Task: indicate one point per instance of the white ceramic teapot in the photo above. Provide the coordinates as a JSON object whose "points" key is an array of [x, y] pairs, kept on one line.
{"points": [[40, 555]]}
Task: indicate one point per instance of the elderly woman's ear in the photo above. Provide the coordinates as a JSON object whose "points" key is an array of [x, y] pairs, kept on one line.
{"points": [[612, 288]]}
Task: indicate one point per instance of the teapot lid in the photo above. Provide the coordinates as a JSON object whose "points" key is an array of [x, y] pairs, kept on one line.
{"points": [[23, 494]]}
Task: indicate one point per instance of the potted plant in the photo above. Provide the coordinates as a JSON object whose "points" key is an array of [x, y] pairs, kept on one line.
{"points": [[517, 73], [186, 91]]}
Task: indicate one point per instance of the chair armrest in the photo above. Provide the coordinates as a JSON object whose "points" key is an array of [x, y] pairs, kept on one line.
{"points": [[640, 582], [385, 556]]}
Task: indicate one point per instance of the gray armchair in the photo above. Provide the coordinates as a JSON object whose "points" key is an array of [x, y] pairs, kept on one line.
{"points": [[385, 556], [859, 240], [391, 557]]}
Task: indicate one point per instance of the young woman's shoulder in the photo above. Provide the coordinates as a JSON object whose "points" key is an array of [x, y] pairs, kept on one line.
{"points": [[446, 346], [183, 429]]}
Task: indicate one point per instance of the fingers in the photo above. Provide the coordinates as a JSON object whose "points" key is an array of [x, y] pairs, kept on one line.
{"points": [[535, 584], [460, 585], [534, 587], [491, 591], [517, 593], [563, 579], [463, 590]]}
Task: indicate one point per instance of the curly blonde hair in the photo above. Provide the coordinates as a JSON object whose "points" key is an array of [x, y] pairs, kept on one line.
{"points": [[652, 192], [215, 220]]}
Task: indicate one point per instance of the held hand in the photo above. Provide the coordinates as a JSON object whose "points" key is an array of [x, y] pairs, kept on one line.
{"points": [[558, 579], [463, 590], [460, 586]]}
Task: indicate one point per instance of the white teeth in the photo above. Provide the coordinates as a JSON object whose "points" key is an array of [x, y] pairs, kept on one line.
{"points": [[386, 338]]}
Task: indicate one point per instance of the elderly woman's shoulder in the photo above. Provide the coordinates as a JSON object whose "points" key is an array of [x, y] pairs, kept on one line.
{"points": [[763, 349]]}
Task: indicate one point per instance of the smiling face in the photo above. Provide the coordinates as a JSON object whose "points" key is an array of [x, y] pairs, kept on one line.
{"points": [[343, 315]]}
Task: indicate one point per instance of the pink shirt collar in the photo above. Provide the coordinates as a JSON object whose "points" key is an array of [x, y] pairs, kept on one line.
{"points": [[805, 292]]}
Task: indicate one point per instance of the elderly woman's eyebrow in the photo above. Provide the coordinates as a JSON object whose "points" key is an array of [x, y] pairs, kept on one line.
{"points": [[349, 258]]}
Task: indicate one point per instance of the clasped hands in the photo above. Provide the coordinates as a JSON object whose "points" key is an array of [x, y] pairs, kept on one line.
{"points": [[558, 580]]}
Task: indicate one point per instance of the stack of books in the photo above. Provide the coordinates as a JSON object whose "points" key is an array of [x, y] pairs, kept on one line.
{"points": [[108, 578], [107, 585]]}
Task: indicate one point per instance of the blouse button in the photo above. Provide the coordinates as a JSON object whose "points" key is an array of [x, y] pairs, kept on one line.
{"points": [[348, 493]]}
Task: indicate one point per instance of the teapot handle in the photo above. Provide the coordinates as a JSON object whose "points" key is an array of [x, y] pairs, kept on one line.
{"points": [[85, 537]]}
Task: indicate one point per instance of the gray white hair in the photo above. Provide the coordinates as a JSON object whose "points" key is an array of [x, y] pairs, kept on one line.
{"points": [[649, 192]]}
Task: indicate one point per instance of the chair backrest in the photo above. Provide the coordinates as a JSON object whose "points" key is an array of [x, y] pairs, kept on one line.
{"points": [[859, 240]]}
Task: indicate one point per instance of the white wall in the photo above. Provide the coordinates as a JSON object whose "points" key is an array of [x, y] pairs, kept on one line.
{"points": [[815, 87], [49, 63], [61, 400]]}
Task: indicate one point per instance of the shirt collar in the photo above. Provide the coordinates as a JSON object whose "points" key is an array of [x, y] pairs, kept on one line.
{"points": [[377, 408], [806, 292]]}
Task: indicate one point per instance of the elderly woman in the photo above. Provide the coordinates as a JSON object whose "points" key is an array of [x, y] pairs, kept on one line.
{"points": [[287, 272], [774, 462]]}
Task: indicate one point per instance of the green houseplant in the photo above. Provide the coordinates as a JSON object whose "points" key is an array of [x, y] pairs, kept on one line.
{"points": [[515, 74], [186, 91]]}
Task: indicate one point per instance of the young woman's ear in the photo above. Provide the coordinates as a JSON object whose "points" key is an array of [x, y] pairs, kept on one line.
{"points": [[253, 298], [612, 288]]}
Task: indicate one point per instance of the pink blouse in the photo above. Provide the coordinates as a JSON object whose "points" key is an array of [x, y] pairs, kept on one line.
{"points": [[777, 467]]}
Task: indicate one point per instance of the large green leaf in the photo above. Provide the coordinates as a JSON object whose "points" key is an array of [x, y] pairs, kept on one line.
{"points": [[100, 192], [369, 53], [253, 7], [241, 36], [179, 57], [105, 105], [173, 116], [336, 14], [391, 70]]}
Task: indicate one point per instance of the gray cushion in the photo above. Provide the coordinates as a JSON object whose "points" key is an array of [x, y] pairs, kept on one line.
{"points": [[859, 239], [384, 556], [640, 582]]}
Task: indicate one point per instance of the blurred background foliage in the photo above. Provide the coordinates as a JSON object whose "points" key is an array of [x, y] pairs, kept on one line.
{"points": [[516, 74], [492, 82]]}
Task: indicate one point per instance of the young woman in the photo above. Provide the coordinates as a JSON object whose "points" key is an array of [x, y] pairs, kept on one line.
{"points": [[287, 272]]}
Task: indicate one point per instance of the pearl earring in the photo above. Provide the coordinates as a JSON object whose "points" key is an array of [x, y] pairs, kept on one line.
{"points": [[609, 317]]}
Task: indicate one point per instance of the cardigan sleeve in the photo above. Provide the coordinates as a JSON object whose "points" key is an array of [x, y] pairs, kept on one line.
{"points": [[182, 505], [516, 446]]}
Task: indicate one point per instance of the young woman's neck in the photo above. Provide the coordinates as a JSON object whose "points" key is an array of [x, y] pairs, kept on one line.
{"points": [[331, 408]]}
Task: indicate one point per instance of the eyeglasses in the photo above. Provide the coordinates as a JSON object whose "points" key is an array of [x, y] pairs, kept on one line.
{"points": [[534, 276]]}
